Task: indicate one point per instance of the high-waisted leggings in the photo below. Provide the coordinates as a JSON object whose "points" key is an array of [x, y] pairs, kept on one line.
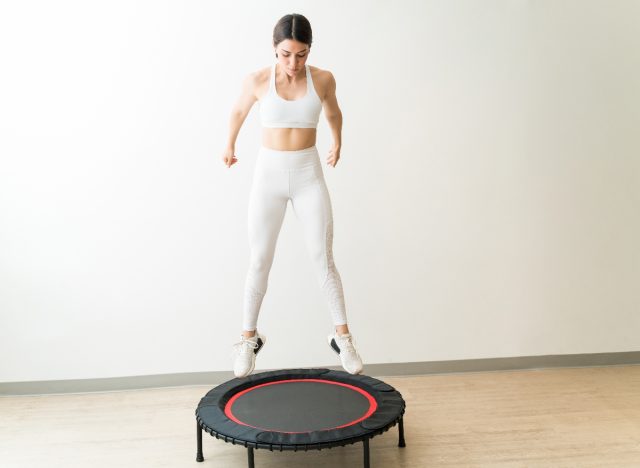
{"points": [[280, 176]]}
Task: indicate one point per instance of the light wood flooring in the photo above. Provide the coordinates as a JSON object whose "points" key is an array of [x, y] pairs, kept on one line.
{"points": [[561, 417]]}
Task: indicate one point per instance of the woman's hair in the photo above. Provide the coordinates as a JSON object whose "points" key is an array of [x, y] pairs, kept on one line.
{"points": [[293, 26]]}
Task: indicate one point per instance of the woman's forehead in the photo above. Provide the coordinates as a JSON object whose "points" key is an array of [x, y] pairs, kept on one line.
{"points": [[293, 46]]}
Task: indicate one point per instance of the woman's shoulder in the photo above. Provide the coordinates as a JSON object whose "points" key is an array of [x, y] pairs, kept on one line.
{"points": [[259, 76], [320, 73], [257, 81], [323, 80]]}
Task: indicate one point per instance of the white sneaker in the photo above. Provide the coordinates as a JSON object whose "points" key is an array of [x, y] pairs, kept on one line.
{"points": [[343, 346], [244, 354]]}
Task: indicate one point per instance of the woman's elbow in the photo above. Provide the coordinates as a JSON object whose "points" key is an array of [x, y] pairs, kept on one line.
{"points": [[334, 115]]}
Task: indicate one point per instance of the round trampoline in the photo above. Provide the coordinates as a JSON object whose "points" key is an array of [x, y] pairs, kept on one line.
{"points": [[299, 409]]}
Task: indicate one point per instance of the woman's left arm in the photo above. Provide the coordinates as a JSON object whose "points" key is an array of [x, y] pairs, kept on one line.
{"points": [[334, 117]]}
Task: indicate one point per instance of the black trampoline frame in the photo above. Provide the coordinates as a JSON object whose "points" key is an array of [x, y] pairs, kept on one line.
{"points": [[389, 412]]}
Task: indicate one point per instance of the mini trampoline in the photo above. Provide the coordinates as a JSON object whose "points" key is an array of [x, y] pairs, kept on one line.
{"points": [[299, 409]]}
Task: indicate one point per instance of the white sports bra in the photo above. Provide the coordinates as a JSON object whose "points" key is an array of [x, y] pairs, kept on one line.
{"points": [[277, 112]]}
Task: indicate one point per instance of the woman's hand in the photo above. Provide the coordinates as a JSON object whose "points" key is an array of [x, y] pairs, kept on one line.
{"points": [[334, 155], [228, 157]]}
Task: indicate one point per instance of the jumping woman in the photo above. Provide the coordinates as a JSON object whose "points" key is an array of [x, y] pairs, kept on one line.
{"points": [[291, 95]]}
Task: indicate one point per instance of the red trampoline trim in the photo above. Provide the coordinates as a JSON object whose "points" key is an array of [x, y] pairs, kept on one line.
{"points": [[373, 405]]}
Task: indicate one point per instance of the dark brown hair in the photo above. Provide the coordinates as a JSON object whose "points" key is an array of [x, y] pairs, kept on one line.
{"points": [[294, 26]]}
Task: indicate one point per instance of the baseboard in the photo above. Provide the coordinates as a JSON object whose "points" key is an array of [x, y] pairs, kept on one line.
{"points": [[46, 387]]}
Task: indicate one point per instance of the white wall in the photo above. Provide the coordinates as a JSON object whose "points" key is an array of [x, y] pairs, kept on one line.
{"points": [[486, 203]]}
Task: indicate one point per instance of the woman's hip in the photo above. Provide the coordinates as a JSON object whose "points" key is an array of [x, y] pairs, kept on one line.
{"points": [[272, 159]]}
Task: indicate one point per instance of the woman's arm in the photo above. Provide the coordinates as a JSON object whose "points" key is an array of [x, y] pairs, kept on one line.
{"points": [[239, 113], [334, 117]]}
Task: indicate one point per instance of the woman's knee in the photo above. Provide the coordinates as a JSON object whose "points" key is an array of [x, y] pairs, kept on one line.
{"points": [[260, 264]]}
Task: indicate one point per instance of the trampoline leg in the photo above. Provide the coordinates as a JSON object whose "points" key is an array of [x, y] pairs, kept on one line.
{"points": [[199, 456], [366, 453], [401, 430], [250, 455]]}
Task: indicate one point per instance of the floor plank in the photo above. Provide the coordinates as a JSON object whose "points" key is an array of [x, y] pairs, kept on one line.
{"points": [[569, 417]]}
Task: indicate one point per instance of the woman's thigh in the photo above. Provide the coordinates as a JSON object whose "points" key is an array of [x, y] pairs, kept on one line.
{"points": [[267, 207], [312, 206]]}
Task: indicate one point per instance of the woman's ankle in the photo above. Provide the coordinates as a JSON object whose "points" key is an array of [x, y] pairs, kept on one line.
{"points": [[248, 334]]}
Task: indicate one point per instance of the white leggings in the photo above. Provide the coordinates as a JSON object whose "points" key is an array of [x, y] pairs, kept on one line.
{"points": [[280, 176]]}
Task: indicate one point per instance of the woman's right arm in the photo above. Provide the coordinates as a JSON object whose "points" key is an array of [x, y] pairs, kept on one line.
{"points": [[238, 115]]}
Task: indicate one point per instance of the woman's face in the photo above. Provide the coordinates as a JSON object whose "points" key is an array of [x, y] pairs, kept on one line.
{"points": [[292, 56]]}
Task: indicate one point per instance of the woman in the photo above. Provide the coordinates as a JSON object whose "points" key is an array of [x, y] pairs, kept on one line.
{"points": [[291, 95]]}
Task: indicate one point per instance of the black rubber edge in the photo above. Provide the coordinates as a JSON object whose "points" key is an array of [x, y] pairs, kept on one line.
{"points": [[211, 418]]}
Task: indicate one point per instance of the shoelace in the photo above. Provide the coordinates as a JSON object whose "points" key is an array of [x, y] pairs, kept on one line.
{"points": [[245, 344], [348, 341]]}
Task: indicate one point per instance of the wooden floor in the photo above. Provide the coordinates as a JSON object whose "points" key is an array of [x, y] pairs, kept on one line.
{"points": [[575, 417]]}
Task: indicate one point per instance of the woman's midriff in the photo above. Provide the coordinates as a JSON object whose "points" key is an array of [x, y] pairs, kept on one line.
{"points": [[288, 139]]}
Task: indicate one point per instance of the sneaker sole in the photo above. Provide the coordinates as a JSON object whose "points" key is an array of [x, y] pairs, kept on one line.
{"points": [[329, 340]]}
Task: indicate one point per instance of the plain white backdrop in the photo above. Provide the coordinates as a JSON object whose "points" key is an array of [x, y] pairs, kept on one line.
{"points": [[487, 202]]}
